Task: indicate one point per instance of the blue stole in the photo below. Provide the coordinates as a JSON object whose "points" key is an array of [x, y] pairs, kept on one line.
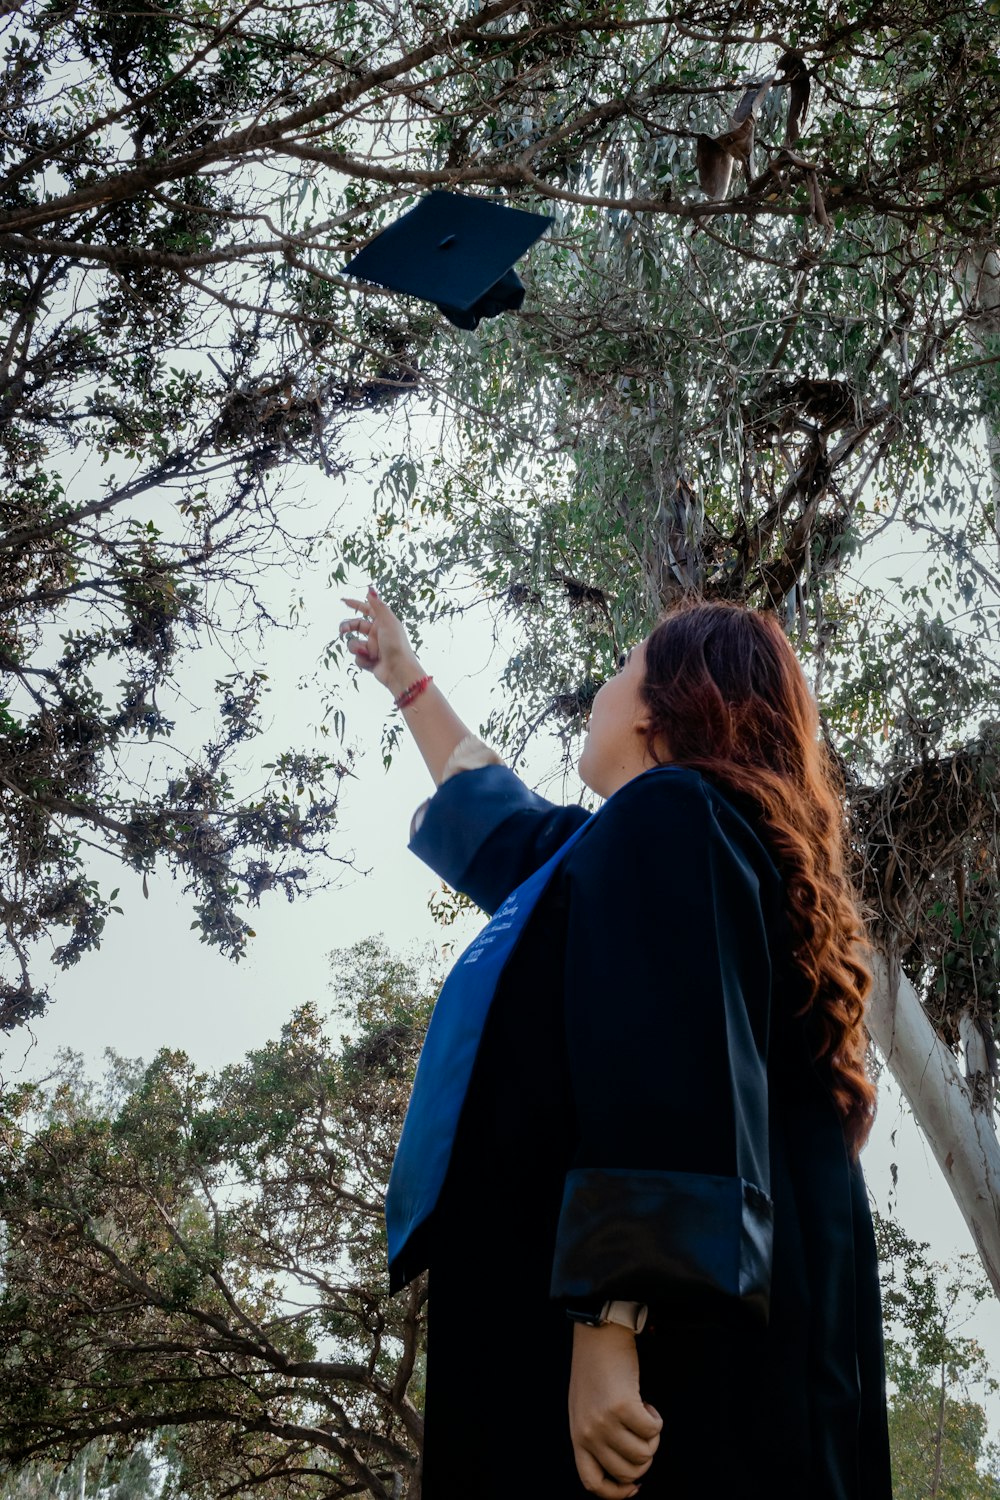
{"points": [[447, 1058]]}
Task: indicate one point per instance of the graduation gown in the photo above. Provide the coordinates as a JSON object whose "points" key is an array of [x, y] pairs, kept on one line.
{"points": [[603, 1057]]}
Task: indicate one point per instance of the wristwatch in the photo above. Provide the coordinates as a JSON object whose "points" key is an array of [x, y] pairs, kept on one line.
{"points": [[629, 1314]]}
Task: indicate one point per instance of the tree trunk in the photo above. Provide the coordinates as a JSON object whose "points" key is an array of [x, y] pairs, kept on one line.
{"points": [[960, 1134], [939, 1434]]}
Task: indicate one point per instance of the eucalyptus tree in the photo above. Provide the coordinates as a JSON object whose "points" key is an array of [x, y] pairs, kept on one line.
{"points": [[93, 1474], [761, 331]]}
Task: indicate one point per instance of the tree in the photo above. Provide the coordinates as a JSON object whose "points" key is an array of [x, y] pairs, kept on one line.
{"points": [[198, 1261], [762, 330], [142, 425], [937, 1430], [194, 1281]]}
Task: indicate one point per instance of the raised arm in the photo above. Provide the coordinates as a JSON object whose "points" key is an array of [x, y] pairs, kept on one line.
{"points": [[483, 831], [378, 642]]}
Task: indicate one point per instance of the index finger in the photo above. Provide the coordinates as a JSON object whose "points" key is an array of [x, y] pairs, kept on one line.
{"points": [[644, 1420]]}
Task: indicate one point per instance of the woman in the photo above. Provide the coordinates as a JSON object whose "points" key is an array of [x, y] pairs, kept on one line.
{"points": [[681, 1008]]}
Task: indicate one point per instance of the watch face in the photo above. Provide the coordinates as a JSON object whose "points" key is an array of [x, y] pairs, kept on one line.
{"points": [[579, 1315]]}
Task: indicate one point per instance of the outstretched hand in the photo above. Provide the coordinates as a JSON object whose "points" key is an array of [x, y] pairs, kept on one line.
{"points": [[615, 1433], [378, 642]]}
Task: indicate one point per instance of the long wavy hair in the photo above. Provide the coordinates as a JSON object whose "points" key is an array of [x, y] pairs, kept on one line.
{"points": [[726, 692]]}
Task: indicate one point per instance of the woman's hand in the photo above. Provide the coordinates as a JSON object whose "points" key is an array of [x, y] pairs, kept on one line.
{"points": [[383, 648], [615, 1433], [377, 641]]}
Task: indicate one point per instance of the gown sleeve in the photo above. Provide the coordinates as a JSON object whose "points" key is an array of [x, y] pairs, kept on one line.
{"points": [[485, 832], [667, 995]]}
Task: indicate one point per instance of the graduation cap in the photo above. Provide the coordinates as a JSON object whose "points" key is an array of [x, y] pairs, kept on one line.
{"points": [[456, 252]]}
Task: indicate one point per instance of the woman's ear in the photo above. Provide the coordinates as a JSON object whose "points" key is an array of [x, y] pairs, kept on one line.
{"points": [[643, 728], [656, 747]]}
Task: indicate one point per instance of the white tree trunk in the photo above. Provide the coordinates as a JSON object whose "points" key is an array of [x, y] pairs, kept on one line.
{"points": [[961, 1135]]}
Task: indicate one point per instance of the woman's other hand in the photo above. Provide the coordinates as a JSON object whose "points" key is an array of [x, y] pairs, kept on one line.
{"points": [[378, 642], [615, 1433]]}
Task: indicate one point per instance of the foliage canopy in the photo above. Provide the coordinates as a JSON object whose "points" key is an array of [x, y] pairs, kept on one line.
{"points": [[763, 331], [200, 1259]]}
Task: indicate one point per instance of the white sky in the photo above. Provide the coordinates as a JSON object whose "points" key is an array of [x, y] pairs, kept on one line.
{"points": [[154, 985]]}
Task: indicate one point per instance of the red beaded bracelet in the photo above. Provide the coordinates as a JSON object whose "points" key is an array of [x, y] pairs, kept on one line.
{"points": [[413, 691]]}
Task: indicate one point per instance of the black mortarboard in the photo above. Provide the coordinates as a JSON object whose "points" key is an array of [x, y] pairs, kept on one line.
{"points": [[456, 252]]}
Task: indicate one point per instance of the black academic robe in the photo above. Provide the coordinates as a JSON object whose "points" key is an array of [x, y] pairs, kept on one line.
{"points": [[604, 1048]]}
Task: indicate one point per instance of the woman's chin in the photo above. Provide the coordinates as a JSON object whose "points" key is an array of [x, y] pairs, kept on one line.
{"points": [[586, 773]]}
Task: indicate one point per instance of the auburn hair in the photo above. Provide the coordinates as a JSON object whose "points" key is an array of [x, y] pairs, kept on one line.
{"points": [[726, 692]]}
